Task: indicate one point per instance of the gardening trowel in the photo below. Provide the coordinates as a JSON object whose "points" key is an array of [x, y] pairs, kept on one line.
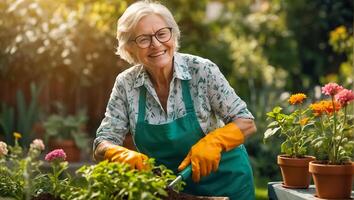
{"points": [[183, 175]]}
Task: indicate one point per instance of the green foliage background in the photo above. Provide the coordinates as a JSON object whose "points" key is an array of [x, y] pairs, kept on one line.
{"points": [[266, 49]]}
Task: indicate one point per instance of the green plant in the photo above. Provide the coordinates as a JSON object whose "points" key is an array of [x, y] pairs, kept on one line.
{"points": [[25, 117], [293, 127], [63, 127], [58, 166], [118, 181], [333, 126], [7, 118], [17, 170], [22, 177]]}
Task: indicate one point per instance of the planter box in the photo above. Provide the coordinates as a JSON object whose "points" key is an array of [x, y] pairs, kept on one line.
{"points": [[174, 196], [182, 196]]}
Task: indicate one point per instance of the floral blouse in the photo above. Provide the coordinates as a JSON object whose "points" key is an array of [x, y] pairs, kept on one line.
{"points": [[215, 101]]}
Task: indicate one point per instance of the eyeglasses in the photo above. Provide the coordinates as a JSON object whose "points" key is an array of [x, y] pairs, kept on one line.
{"points": [[162, 35]]}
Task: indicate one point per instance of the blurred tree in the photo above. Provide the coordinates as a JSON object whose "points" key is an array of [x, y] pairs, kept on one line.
{"points": [[310, 22], [69, 46], [342, 42], [58, 39]]}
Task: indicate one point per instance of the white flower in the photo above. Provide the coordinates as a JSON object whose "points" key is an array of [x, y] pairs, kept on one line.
{"points": [[37, 144], [3, 148]]}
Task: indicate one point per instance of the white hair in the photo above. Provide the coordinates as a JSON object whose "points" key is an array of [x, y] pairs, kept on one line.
{"points": [[130, 18]]}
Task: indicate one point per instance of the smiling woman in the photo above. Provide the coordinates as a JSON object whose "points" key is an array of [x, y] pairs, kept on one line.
{"points": [[154, 49], [177, 107]]}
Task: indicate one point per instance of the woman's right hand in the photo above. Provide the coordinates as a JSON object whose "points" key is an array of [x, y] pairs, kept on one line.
{"points": [[120, 154]]}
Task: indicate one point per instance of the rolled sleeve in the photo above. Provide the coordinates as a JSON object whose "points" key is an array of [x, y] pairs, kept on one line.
{"points": [[115, 124], [223, 99]]}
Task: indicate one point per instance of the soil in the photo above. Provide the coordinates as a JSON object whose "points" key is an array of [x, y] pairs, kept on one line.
{"points": [[45, 196], [173, 195]]}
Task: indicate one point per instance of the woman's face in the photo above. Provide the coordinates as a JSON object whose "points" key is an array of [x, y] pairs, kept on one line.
{"points": [[158, 55]]}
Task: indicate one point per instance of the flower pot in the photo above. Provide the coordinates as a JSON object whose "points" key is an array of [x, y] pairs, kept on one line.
{"points": [[332, 181], [295, 171], [70, 148]]}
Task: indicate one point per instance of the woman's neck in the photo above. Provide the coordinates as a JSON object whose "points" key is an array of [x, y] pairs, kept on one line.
{"points": [[161, 78], [161, 81]]}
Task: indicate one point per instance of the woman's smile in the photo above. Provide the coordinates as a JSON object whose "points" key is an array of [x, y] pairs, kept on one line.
{"points": [[158, 54]]}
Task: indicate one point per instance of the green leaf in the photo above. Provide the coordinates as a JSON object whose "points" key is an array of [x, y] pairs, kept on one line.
{"points": [[273, 124], [318, 144], [271, 131], [284, 148], [277, 109]]}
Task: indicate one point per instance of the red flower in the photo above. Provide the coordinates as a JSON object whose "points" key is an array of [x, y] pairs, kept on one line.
{"points": [[57, 154], [331, 89], [344, 97]]}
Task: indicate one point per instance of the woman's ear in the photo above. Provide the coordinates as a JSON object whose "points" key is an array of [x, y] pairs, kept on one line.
{"points": [[131, 50]]}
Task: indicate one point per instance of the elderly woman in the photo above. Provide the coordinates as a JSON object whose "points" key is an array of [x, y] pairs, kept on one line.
{"points": [[176, 107]]}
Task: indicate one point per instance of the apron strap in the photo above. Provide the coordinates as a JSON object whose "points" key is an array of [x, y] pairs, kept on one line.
{"points": [[187, 97], [142, 103]]}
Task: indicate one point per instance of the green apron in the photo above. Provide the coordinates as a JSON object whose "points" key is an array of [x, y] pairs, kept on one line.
{"points": [[169, 144]]}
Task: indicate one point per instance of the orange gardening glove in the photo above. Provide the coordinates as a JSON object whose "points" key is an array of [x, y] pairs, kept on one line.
{"points": [[120, 154], [205, 155]]}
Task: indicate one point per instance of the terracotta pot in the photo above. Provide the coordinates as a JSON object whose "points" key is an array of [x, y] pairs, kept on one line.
{"points": [[295, 171], [70, 148], [332, 181]]}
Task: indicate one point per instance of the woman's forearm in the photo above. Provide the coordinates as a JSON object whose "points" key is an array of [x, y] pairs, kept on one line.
{"points": [[247, 126]]}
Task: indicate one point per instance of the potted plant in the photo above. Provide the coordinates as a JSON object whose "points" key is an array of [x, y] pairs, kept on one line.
{"points": [[294, 128], [67, 132], [333, 142]]}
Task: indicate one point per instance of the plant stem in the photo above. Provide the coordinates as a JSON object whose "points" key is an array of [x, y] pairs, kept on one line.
{"points": [[332, 142], [55, 177], [342, 133]]}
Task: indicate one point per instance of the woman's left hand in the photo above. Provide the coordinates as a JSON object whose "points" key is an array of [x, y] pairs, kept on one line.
{"points": [[205, 155]]}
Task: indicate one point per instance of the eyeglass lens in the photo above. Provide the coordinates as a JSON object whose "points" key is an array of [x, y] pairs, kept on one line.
{"points": [[162, 35]]}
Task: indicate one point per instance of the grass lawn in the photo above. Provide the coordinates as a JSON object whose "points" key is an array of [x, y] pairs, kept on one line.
{"points": [[261, 188], [261, 193]]}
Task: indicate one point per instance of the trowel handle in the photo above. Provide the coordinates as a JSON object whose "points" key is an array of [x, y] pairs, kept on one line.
{"points": [[186, 172]]}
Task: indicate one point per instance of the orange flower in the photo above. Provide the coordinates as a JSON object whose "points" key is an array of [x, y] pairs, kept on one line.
{"points": [[318, 108], [329, 107], [297, 98], [324, 107], [304, 121]]}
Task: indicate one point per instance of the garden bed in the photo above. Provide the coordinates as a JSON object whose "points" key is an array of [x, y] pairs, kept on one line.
{"points": [[172, 195]]}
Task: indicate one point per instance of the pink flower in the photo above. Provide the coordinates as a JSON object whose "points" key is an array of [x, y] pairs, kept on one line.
{"points": [[37, 144], [344, 97], [331, 89], [3, 148], [57, 154]]}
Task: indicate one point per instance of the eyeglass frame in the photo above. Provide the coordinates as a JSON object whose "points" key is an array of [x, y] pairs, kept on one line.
{"points": [[153, 35]]}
